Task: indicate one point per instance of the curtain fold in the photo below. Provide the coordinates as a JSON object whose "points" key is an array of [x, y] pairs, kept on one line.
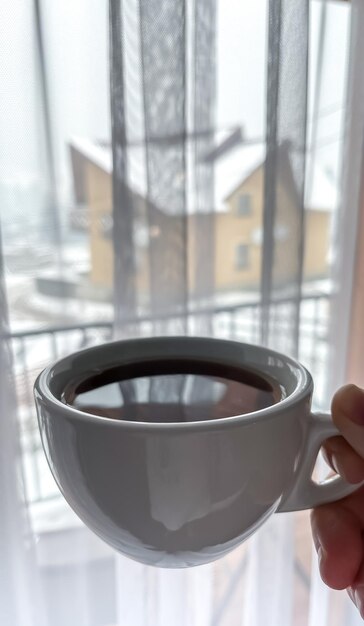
{"points": [[284, 171], [123, 235], [284, 175], [263, 574], [203, 104], [20, 602], [150, 597]]}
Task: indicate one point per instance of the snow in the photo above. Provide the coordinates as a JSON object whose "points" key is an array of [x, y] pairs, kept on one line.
{"points": [[99, 154], [322, 194], [232, 169]]}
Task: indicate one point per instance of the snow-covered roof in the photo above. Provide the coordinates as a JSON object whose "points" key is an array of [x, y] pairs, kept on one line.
{"points": [[321, 192], [97, 153], [234, 168], [231, 170]]}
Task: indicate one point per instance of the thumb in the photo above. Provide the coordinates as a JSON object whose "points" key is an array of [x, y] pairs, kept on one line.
{"points": [[348, 416]]}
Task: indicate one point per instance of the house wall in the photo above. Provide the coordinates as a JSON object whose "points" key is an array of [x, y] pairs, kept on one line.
{"points": [[99, 200], [232, 230], [317, 244], [201, 259], [98, 185]]}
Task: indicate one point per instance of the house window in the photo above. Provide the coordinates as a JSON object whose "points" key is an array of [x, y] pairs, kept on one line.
{"points": [[244, 204], [106, 226], [242, 256]]}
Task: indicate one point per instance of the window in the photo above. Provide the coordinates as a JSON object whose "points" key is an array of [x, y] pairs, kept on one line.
{"points": [[245, 204], [242, 256], [47, 327], [106, 224]]}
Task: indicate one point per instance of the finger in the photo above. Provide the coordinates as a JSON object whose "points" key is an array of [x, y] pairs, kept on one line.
{"points": [[337, 536], [344, 460], [355, 504], [356, 591], [357, 596], [348, 416]]}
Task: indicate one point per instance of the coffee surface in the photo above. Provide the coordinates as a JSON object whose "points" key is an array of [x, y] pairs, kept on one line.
{"points": [[173, 391]]}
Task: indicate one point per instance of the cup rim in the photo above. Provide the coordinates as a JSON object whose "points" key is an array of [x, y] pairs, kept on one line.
{"points": [[303, 390]]}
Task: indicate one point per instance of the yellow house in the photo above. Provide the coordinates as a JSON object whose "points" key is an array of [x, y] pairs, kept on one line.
{"points": [[238, 264], [237, 225]]}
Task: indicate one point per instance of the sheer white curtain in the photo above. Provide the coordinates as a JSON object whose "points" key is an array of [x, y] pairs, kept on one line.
{"points": [[164, 167]]}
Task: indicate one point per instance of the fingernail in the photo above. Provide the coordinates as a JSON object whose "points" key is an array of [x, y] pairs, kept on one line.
{"points": [[354, 405], [321, 555], [316, 542], [359, 601], [334, 463]]}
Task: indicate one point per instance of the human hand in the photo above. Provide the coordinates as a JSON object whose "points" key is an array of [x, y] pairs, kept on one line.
{"points": [[338, 528]]}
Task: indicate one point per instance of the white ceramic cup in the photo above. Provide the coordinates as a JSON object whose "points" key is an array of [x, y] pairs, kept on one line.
{"points": [[183, 494]]}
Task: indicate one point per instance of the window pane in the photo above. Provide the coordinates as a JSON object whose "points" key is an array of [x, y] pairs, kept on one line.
{"points": [[242, 256], [244, 206]]}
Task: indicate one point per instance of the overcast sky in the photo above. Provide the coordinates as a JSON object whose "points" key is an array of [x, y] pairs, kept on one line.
{"points": [[77, 62]]}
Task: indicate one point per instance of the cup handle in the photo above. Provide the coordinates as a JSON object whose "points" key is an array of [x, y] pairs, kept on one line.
{"points": [[305, 493]]}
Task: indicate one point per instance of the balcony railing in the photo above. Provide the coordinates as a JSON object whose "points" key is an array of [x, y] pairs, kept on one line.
{"points": [[35, 349]]}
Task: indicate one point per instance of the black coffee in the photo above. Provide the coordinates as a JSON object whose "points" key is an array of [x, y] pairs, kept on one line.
{"points": [[173, 391]]}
